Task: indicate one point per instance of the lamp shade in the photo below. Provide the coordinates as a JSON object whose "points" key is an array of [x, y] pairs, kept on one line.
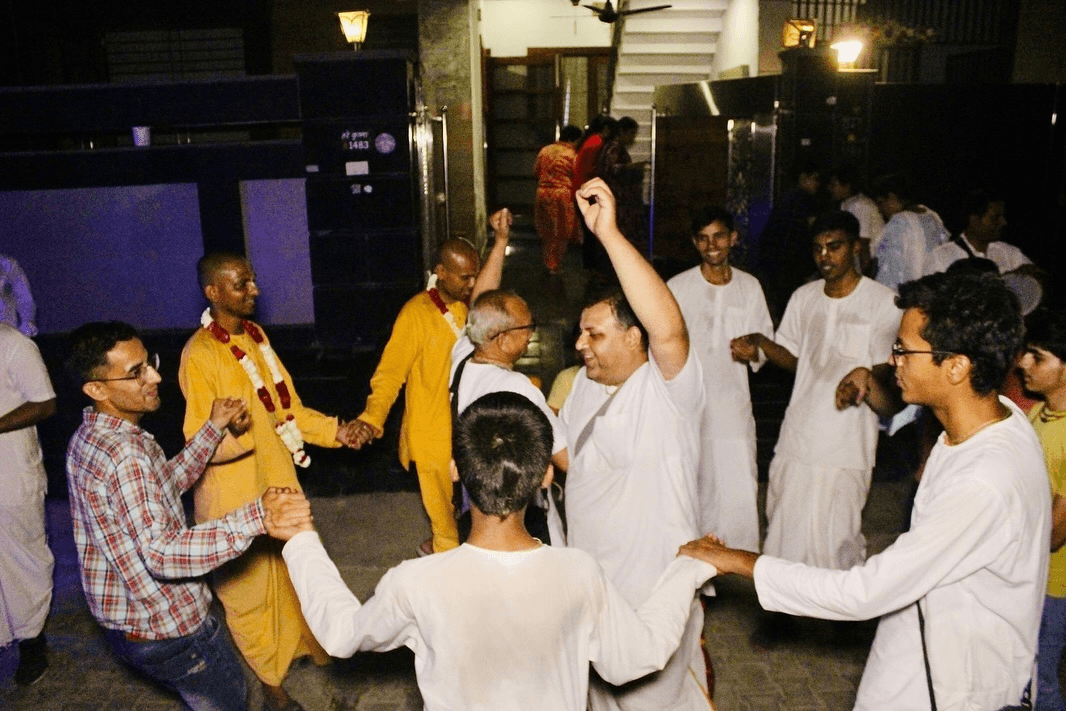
{"points": [[353, 24]]}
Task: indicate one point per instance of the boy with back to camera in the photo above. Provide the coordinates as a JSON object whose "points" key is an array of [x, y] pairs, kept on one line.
{"points": [[503, 621]]}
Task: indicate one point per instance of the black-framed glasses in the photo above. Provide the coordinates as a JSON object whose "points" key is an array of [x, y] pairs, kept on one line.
{"points": [[898, 351], [138, 373], [532, 326]]}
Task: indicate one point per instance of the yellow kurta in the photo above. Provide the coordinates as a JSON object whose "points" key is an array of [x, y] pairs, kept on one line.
{"points": [[262, 610], [419, 354]]}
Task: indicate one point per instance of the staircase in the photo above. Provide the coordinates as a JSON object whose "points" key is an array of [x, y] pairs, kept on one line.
{"points": [[672, 46]]}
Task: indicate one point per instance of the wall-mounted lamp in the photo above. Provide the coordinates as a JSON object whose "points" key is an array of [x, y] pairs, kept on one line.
{"points": [[798, 33], [848, 51], [353, 24]]}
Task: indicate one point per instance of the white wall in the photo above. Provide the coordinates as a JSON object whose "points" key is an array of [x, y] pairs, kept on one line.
{"points": [[738, 44], [510, 27]]}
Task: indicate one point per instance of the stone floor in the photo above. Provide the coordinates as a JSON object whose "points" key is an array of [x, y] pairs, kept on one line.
{"points": [[366, 534]]}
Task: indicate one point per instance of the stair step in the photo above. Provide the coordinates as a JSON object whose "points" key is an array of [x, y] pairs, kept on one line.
{"points": [[666, 47], [649, 23], [662, 63]]}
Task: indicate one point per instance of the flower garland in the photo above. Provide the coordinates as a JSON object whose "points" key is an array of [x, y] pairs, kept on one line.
{"points": [[286, 428], [434, 296]]}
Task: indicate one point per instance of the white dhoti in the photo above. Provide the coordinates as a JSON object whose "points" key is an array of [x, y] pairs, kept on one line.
{"points": [[815, 514], [25, 568], [729, 500]]}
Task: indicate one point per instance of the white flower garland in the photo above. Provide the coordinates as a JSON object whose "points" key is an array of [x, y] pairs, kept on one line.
{"points": [[286, 428]]}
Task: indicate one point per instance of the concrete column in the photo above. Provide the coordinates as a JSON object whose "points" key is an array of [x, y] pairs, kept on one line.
{"points": [[450, 54]]}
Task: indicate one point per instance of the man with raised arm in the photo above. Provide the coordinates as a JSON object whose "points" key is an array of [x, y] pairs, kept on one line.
{"points": [[960, 593], [633, 433], [142, 567], [418, 355], [231, 356]]}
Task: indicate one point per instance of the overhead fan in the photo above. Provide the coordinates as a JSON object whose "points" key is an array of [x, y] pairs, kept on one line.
{"points": [[607, 13]]}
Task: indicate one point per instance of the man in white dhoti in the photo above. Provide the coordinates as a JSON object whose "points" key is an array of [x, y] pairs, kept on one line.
{"points": [[719, 303], [975, 559], [632, 426], [26, 562], [820, 473], [501, 623]]}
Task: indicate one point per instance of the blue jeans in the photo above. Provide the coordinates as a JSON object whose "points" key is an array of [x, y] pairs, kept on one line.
{"points": [[1049, 651], [201, 667]]}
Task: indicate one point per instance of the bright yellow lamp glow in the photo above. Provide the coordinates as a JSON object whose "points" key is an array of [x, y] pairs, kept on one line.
{"points": [[847, 51], [353, 24]]}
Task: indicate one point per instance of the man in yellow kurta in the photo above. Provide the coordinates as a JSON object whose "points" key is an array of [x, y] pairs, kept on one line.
{"points": [[418, 354], [262, 610]]}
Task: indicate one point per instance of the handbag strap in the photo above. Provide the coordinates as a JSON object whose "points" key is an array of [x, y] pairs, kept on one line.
{"points": [[925, 655]]}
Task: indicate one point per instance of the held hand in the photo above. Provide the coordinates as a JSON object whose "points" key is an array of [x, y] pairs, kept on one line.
{"points": [[346, 433], [710, 549], [853, 388], [241, 423], [286, 513], [500, 222], [360, 434], [745, 349], [597, 205], [228, 411]]}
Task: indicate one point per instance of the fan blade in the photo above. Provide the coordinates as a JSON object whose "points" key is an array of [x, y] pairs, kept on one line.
{"points": [[595, 9], [645, 9]]}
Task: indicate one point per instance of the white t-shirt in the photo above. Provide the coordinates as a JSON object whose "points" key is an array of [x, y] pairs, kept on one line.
{"points": [[1006, 256], [484, 378], [830, 338], [976, 555], [23, 378], [631, 500], [496, 631]]}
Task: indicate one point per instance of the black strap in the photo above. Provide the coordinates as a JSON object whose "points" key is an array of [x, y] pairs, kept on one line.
{"points": [[1026, 700], [458, 500], [962, 243], [925, 656]]}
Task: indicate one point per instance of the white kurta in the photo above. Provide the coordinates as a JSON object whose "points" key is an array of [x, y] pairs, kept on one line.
{"points": [[631, 500], [728, 474], [25, 560], [976, 555], [820, 474], [495, 631], [1005, 256], [483, 378], [871, 224], [907, 240]]}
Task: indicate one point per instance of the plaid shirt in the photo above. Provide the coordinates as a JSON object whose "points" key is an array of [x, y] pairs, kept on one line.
{"points": [[140, 563]]}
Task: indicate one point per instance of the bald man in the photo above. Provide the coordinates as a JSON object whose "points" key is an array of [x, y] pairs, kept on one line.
{"points": [[418, 355], [230, 356]]}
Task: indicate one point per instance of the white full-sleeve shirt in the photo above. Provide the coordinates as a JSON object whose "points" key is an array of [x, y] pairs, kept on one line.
{"points": [[496, 631], [976, 557]]}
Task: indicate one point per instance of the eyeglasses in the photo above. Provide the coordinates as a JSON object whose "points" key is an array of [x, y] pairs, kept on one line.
{"points": [[139, 373], [532, 326], [898, 351]]}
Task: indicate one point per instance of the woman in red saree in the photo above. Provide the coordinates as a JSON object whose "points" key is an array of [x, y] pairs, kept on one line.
{"points": [[554, 212]]}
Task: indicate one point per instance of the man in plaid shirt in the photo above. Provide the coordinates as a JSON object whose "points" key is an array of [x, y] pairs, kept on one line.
{"points": [[141, 565]]}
